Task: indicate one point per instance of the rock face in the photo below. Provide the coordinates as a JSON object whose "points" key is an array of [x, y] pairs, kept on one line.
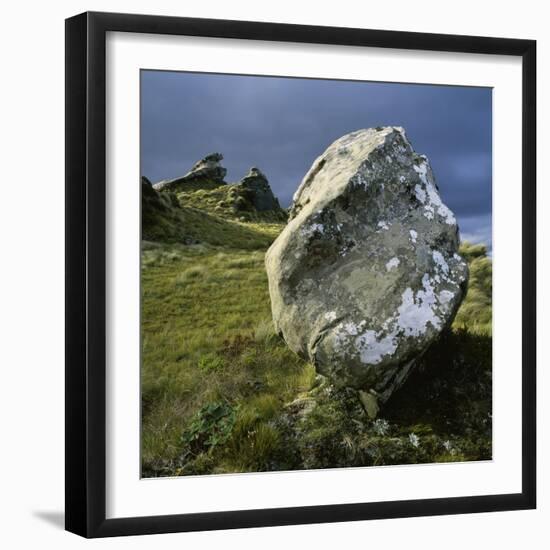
{"points": [[207, 169], [257, 187], [366, 274], [161, 216]]}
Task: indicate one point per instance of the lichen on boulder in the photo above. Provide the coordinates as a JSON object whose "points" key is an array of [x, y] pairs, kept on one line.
{"points": [[366, 274]]}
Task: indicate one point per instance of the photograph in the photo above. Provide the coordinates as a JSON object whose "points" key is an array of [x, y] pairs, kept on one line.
{"points": [[316, 273], [280, 280]]}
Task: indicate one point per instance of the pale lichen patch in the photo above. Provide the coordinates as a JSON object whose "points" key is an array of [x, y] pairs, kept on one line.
{"points": [[309, 230], [371, 349], [429, 196], [440, 262], [417, 310], [330, 316], [392, 264], [420, 193], [422, 171], [445, 296]]}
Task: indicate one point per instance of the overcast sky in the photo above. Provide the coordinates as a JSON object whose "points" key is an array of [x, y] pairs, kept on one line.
{"points": [[282, 124]]}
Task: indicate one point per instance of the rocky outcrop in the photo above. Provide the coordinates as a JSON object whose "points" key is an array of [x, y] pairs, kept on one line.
{"points": [[251, 199], [258, 191], [366, 274], [162, 219], [207, 171]]}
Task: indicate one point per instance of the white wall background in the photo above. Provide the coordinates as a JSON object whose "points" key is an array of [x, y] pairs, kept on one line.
{"points": [[32, 271]]}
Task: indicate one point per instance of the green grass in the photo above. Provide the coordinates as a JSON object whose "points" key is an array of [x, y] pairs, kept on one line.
{"points": [[476, 312], [228, 202], [192, 226], [222, 393], [207, 337]]}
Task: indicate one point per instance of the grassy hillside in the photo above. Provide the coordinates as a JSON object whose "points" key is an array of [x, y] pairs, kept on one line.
{"points": [[207, 340], [222, 393], [229, 202], [167, 219]]}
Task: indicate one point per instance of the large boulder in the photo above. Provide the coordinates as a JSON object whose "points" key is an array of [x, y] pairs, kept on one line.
{"points": [[366, 274], [206, 171]]}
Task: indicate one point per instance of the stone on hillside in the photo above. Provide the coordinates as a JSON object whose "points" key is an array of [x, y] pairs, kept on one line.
{"points": [[366, 274], [260, 192], [207, 170]]}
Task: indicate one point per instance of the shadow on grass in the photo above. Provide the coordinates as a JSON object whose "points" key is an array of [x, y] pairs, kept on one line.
{"points": [[441, 414], [451, 387]]}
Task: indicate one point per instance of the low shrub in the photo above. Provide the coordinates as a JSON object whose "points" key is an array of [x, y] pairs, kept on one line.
{"points": [[211, 426]]}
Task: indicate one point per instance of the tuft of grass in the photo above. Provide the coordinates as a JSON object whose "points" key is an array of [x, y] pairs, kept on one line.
{"points": [[190, 274], [264, 332], [255, 438], [476, 312]]}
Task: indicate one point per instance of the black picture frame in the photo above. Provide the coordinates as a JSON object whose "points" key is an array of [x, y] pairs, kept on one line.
{"points": [[86, 275]]}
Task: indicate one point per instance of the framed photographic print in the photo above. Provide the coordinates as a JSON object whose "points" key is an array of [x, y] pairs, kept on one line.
{"points": [[300, 274]]}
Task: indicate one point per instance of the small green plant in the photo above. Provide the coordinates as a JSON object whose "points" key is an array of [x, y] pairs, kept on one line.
{"points": [[211, 426], [210, 363]]}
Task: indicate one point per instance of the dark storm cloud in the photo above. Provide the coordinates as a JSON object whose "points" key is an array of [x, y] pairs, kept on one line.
{"points": [[281, 125]]}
